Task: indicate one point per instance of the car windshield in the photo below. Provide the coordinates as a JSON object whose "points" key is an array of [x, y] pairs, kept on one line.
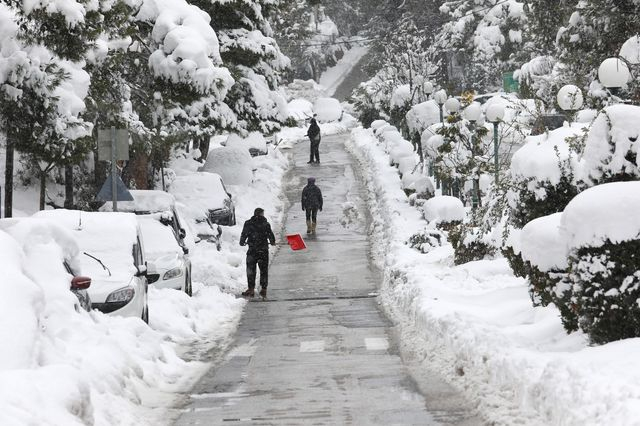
{"points": [[158, 239]]}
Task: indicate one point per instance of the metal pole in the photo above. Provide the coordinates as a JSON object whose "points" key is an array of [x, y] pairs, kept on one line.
{"points": [[496, 160], [114, 187], [441, 114], [476, 187]]}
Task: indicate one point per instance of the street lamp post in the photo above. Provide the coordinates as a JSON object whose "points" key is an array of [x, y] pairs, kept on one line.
{"points": [[427, 88], [495, 114], [440, 97], [473, 113]]}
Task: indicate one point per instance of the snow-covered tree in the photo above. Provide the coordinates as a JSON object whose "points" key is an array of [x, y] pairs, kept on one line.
{"points": [[249, 50]]}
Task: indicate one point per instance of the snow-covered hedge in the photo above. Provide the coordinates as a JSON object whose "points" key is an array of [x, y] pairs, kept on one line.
{"points": [[543, 175], [601, 228]]}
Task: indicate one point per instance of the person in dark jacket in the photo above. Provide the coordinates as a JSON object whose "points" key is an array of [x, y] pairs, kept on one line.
{"points": [[314, 139], [311, 203], [258, 235]]}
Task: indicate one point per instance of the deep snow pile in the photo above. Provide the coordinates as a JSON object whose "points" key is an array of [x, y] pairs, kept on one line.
{"points": [[475, 324]]}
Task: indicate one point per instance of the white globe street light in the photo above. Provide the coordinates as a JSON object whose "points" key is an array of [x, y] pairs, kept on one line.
{"points": [[630, 50], [613, 73], [473, 112], [570, 98], [440, 97], [452, 105], [427, 87], [495, 114]]}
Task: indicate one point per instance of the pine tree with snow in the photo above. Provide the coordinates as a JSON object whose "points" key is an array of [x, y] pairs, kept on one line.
{"points": [[248, 49]]}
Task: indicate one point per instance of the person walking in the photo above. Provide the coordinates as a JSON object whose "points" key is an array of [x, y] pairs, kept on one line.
{"points": [[258, 235], [311, 203], [314, 138]]}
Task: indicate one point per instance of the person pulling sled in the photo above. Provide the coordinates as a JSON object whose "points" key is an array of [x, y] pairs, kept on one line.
{"points": [[258, 235], [311, 204]]}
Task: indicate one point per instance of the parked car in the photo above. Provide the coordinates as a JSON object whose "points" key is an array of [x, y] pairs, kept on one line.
{"points": [[112, 253], [154, 202], [56, 253], [172, 267], [206, 192]]}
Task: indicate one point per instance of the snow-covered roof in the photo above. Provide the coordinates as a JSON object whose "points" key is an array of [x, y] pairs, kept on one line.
{"points": [[603, 212], [107, 236]]}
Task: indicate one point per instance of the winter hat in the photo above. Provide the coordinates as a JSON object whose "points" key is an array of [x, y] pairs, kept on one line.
{"points": [[258, 212], [311, 180]]}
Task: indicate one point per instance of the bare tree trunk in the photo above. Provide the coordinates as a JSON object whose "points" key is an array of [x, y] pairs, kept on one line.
{"points": [[8, 175], [68, 187], [43, 187]]}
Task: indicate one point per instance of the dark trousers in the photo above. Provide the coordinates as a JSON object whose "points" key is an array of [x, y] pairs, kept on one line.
{"points": [[314, 151], [312, 214], [261, 260]]}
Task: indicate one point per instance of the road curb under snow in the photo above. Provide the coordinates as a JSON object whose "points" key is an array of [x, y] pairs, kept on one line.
{"points": [[474, 323]]}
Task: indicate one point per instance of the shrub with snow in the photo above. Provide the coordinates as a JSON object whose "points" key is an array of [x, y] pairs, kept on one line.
{"points": [[327, 110], [470, 243], [426, 240], [601, 227], [611, 150], [542, 172], [444, 209], [232, 164]]}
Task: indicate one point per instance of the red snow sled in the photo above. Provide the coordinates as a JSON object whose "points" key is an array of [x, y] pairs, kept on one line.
{"points": [[296, 242]]}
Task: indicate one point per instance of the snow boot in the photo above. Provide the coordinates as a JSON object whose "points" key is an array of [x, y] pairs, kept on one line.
{"points": [[249, 292], [263, 292], [309, 226], [313, 228]]}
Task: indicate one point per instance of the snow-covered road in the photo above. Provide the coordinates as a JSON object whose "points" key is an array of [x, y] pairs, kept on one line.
{"points": [[320, 350]]}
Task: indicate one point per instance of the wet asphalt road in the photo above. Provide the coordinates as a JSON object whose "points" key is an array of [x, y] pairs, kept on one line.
{"points": [[320, 351]]}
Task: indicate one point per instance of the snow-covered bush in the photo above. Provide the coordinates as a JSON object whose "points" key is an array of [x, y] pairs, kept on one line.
{"points": [[611, 149], [542, 174], [327, 110], [545, 262], [426, 240], [601, 227], [470, 243], [444, 210], [232, 164]]}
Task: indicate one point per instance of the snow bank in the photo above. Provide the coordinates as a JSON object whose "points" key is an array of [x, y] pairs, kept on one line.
{"points": [[233, 164], [444, 209], [327, 110], [300, 109], [604, 212], [542, 244], [474, 324]]}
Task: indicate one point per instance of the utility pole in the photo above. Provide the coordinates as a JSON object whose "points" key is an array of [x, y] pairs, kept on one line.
{"points": [[114, 170]]}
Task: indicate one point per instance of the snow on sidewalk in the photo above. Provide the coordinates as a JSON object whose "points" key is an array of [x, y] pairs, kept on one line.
{"points": [[474, 323]]}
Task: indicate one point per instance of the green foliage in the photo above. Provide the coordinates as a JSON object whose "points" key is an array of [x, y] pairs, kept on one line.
{"points": [[468, 244], [426, 240]]}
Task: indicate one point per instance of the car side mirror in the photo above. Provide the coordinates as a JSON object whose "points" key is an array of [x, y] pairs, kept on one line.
{"points": [[142, 271], [80, 283], [182, 233]]}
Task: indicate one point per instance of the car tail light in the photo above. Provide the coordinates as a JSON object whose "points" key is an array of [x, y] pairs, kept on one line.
{"points": [[80, 283]]}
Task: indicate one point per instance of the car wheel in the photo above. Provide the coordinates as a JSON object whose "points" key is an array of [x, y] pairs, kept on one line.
{"points": [[187, 286], [145, 315]]}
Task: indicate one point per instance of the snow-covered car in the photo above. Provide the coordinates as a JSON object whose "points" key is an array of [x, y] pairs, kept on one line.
{"points": [[206, 192], [255, 143], [171, 265], [157, 203], [56, 253], [112, 255]]}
